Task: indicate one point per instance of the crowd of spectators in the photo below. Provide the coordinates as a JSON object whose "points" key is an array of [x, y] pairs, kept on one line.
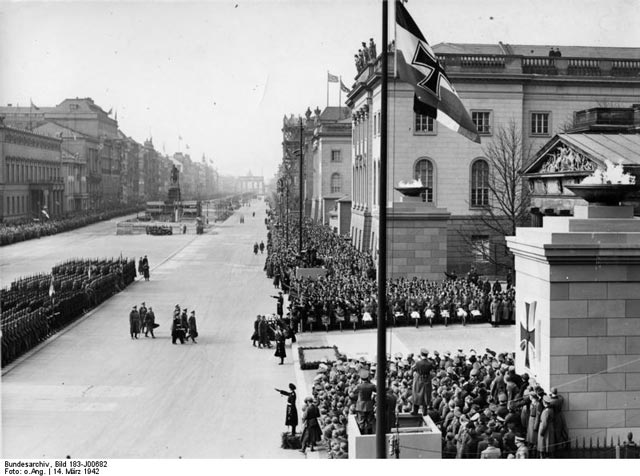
{"points": [[477, 401], [15, 232], [34, 307], [346, 296]]}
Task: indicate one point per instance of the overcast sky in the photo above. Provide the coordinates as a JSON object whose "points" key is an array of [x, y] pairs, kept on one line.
{"points": [[221, 74]]}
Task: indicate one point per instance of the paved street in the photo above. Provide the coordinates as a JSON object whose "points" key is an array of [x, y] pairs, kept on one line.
{"points": [[91, 391]]}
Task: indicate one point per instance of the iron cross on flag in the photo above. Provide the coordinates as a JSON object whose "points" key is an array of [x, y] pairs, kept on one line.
{"points": [[527, 333]]}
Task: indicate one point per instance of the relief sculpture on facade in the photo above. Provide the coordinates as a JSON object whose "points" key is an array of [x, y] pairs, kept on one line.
{"points": [[567, 160]]}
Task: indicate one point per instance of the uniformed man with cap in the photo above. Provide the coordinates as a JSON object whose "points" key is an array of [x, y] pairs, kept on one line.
{"points": [[134, 322], [422, 375], [364, 404], [150, 323]]}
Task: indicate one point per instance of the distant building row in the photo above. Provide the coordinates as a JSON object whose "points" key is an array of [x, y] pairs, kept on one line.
{"points": [[501, 85], [72, 157]]}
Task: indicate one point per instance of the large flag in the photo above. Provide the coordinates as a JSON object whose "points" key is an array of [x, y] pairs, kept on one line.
{"points": [[418, 65], [331, 78], [33, 106]]}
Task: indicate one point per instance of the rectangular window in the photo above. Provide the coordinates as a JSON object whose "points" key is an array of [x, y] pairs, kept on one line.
{"points": [[336, 156], [480, 248], [540, 123], [479, 197], [423, 124], [482, 121]]}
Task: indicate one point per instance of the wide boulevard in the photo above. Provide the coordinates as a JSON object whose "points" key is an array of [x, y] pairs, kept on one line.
{"points": [[91, 391]]}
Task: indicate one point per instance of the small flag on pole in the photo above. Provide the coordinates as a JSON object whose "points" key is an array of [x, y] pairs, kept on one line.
{"points": [[33, 106], [343, 88], [52, 291], [331, 78]]}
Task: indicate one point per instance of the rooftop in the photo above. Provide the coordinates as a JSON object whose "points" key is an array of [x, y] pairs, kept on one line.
{"points": [[505, 49]]}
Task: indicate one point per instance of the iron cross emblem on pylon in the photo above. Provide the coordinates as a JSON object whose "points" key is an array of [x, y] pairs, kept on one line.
{"points": [[527, 334]]}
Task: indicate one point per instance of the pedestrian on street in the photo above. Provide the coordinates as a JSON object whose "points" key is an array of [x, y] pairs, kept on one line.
{"points": [[255, 336], [291, 416], [261, 247], [280, 345], [184, 320], [143, 315], [177, 331], [150, 323], [311, 433], [255, 248], [279, 304], [193, 329], [145, 268], [134, 323], [263, 333]]}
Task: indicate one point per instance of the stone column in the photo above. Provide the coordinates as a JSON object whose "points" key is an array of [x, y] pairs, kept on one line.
{"points": [[578, 316]]}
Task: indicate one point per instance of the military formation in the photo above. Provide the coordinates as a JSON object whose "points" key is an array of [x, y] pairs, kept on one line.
{"points": [[37, 306], [27, 230]]}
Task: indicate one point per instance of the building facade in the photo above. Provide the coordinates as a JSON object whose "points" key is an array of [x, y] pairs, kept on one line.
{"points": [[598, 135], [330, 161], [502, 86], [31, 180], [250, 183], [104, 168]]}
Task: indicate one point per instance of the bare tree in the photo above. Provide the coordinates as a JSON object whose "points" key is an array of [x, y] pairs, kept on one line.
{"points": [[509, 197]]}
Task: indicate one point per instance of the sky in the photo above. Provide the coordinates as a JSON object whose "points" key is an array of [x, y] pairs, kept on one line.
{"points": [[222, 74]]}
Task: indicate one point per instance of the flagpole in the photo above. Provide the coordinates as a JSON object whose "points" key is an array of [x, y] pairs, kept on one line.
{"points": [[395, 47], [381, 393], [340, 97], [327, 88]]}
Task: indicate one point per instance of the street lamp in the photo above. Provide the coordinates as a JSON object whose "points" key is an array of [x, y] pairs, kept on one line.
{"points": [[301, 189]]}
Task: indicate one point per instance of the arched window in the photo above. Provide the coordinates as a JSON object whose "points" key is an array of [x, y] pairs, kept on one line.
{"points": [[336, 183], [423, 171], [480, 183]]}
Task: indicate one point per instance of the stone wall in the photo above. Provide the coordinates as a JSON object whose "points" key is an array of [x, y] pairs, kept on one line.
{"points": [[578, 290], [417, 237]]}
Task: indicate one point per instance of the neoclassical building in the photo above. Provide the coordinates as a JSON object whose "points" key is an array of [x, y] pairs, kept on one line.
{"points": [[31, 183], [330, 157], [500, 85], [250, 183]]}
